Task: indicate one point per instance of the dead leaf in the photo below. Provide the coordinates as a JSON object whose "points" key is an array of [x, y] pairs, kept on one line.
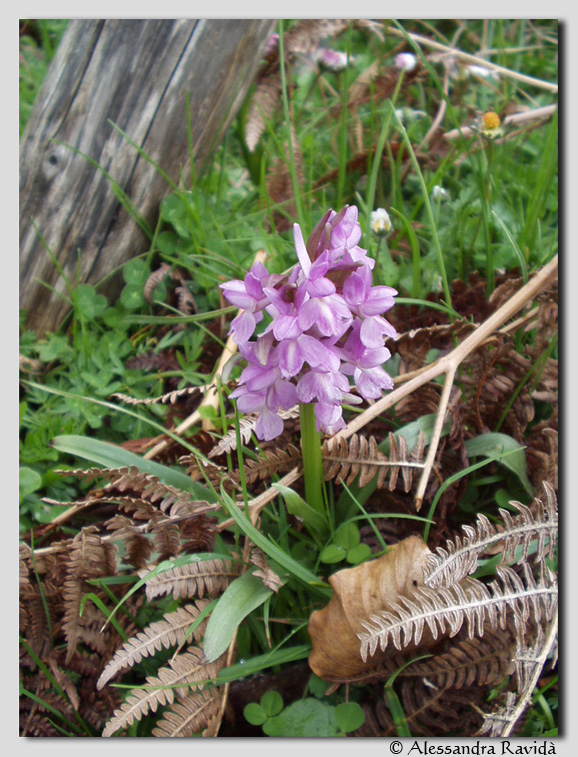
{"points": [[270, 579], [359, 593]]}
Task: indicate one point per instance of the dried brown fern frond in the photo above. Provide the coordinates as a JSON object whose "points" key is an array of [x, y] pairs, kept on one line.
{"points": [[173, 630], [167, 540], [136, 485], [186, 302], [170, 398], [184, 672], [302, 40], [191, 715], [445, 610], [497, 372], [194, 579], [482, 661], [538, 525], [264, 105], [427, 711], [274, 462], [206, 470], [89, 558], [246, 427], [345, 459]]}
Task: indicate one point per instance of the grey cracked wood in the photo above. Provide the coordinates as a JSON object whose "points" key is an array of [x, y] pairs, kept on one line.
{"points": [[137, 75]]}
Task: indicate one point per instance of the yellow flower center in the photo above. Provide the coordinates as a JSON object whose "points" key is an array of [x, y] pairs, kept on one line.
{"points": [[490, 121]]}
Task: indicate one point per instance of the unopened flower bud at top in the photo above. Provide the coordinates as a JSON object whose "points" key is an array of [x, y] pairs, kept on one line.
{"points": [[380, 222], [439, 194], [332, 60], [405, 61]]}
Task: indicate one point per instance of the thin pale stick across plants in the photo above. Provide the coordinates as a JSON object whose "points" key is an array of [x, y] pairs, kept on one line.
{"points": [[516, 119], [508, 73]]}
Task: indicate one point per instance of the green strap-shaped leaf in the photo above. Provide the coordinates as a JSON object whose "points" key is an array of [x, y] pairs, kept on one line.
{"points": [[314, 521], [494, 445], [241, 597], [270, 548]]}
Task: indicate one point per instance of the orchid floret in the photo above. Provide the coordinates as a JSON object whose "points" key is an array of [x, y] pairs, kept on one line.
{"points": [[324, 329]]}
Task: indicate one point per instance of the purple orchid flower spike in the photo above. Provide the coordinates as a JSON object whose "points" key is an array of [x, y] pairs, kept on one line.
{"points": [[325, 328]]}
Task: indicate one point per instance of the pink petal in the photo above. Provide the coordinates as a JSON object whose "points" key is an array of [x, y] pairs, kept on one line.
{"points": [[302, 254]]}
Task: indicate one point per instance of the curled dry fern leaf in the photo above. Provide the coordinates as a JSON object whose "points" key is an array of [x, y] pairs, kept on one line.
{"points": [[195, 579], [173, 630], [186, 671], [538, 524], [444, 611], [274, 462], [89, 559]]}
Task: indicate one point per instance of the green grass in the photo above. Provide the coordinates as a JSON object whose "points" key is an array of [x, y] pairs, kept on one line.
{"points": [[39, 39]]}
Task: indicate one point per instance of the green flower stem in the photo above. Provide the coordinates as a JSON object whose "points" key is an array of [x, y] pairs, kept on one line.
{"points": [[312, 461], [428, 207], [490, 276]]}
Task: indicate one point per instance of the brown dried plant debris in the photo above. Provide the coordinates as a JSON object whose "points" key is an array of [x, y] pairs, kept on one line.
{"points": [[415, 346], [346, 459], [179, 684], [496, 374], [360, 593], [300, 43], [195, 579], [427, 711], [172, 631], [184, 299], [270, 579], [136, 516]]}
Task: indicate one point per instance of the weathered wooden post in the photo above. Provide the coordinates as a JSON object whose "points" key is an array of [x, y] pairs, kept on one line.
{"points": [[135, 74]]}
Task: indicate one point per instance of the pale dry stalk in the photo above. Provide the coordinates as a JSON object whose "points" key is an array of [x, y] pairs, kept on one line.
{"points": [[529, 689], [516, 119], [476, 60]]}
